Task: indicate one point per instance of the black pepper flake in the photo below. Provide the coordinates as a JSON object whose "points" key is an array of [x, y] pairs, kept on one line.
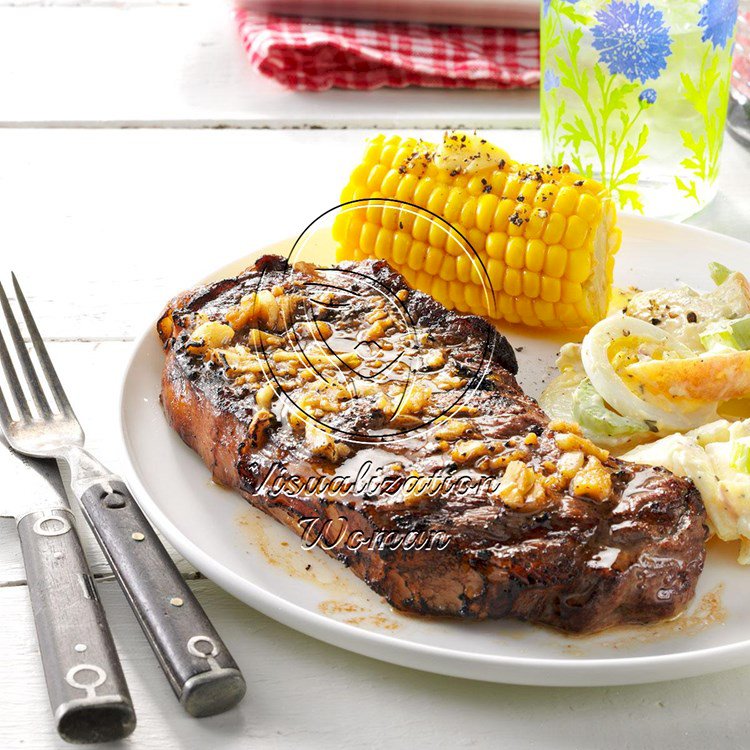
{"points": [[519, 349], [578, 183], [501, 164], [401, 225], [454, 172], [655, 321], [692, 317], [515, 219], [487, 189], [521, 199], [484, 182]]}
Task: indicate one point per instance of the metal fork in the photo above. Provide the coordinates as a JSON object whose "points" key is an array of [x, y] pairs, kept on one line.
{"points": [[202, 672]]}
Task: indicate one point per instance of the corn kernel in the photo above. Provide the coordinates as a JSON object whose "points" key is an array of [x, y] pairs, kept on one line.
{"points": [[456, 292], [576, 232], [512, 283], [555, 229], [578, 268], [454, 204], [417, 256], [376, 176], [589, 209], [544, 310], [368, 238], [423, 280], [421, 229], [555, 260], [384, 244], [433, 260], [401, 246], [486, 205], [455, 245], [448, 269], [496, 273], [406, 188], [498, 182], [474, 297], [463, 268], [437, 199], [525, 309], [531, 284], [477, 240], [438, 235], [423, 192], [550, 289], [512, 187], [571, 292], [390, 216], [535, 254], [468, 213], [536, 225], [566, 201], [515, 253], [496, 245], [390, 184]]}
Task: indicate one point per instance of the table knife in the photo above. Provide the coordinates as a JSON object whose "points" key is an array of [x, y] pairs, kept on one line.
{"points": [[87, 689]]}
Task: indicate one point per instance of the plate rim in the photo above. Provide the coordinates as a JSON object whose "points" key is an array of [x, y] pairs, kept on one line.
{"points": [[521, 670]]}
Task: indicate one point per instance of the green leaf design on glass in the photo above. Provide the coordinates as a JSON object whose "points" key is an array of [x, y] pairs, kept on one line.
{"points": [[704, 150]]}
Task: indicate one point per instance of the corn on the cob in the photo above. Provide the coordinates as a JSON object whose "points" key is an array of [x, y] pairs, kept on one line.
{"points": [[546, 237]]}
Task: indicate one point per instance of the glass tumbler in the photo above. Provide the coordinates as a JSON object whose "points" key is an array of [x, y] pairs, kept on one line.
{"points": [[739, 103], [635, 94]]}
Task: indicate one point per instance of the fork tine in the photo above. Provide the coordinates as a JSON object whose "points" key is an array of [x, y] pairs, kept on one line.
{"points": [[41, 351], [12, 378], [5, 418], [23, 355]]}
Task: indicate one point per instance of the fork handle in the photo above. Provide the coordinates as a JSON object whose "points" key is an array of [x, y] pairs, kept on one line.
{"points": [[86, 686], [202, 672]]}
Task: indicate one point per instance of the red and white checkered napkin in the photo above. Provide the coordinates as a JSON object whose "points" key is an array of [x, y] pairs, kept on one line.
{"points": [[321, 54]]}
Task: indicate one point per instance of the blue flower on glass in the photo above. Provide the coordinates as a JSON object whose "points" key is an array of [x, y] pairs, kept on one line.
{"points": [[717, 19], [647, 96], [551, 80], [632, 39]]}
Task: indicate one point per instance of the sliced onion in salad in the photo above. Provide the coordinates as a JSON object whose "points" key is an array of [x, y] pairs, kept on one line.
{"points": [[611, 387]]}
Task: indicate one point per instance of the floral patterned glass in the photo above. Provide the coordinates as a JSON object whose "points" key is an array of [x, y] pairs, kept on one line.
{"points": [[635, 94]]}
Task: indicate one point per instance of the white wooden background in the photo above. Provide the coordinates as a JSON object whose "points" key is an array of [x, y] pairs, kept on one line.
{"points": [[117, 188]]}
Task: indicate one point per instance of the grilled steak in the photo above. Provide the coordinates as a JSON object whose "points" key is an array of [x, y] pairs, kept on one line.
{"points": [[478, 506]]}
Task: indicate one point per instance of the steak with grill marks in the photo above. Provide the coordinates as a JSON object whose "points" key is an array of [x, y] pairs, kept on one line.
{"points": [[289, 374]]}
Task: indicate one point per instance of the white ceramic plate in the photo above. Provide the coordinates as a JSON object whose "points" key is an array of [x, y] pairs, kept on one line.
{"points": [[262, 563]]}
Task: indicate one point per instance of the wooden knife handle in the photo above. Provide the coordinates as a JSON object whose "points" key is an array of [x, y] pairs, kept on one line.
{"points": [[86, 686], [202, 672]]}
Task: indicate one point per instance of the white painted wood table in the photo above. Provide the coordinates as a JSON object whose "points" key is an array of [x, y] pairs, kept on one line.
{"points": [[104, 221]]}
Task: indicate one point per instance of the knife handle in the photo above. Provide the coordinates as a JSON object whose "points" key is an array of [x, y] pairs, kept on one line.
{"points": [[90, 699], [202, 672]]}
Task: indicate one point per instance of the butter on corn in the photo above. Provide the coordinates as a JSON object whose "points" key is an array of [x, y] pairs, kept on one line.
{"points": [[544, 239]]}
